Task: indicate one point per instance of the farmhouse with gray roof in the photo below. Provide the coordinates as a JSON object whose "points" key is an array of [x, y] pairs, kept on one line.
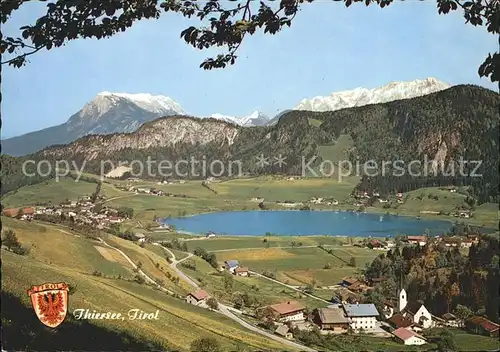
{"points": [[363, 316]]}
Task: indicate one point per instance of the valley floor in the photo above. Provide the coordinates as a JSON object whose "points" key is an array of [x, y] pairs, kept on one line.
{"points": [[114, 274], [103, 277]]}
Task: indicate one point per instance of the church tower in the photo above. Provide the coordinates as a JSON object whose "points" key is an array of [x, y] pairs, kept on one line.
{"points": [[403, 300]]}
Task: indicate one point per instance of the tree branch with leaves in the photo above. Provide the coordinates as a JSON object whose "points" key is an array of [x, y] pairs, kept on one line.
{"points": [[222, 24]]}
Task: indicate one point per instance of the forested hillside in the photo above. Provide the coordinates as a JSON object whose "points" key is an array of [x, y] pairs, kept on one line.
{"points": [[442, 277]]}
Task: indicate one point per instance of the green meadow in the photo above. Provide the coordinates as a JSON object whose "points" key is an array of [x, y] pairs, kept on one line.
{"points": [[59, 255]]}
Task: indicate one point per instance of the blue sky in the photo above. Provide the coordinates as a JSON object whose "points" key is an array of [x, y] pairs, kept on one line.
{"points": [[328, 48]]}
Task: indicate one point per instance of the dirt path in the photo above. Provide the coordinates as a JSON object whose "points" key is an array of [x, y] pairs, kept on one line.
{"points": [[119, 197], [146, 277], [289, 286]]}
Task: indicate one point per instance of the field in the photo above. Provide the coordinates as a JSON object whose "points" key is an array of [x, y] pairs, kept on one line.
{"points": [[228, 243], [59, 255], [56, 192], [231, 195], [302, 266], [420, 201], [267, 292], [61, 247], [469, 342], [154, 263]]}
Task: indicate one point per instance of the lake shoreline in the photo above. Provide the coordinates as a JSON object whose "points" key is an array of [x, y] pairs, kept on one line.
{"points": [[389, 222]]}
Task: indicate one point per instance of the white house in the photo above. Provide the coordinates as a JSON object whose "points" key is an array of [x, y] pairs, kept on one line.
{"points": [[466, 244], [198, 298], [289, 311], [388, 309], [240, 271], [210, 234], [231, 265], [419, 240], [414, 310], [140, 237], [451, 320], [408, 337], [362, 316]]}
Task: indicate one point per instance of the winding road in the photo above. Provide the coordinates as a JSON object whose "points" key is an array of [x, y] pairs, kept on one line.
{"points": [[227, 310], [146, 277]]}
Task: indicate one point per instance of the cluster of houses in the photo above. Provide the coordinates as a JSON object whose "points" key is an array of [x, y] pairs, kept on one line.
{"points": [[327, 201], [404, 320], [142, 190], [362, 196], [411, 317], [379, 244], [450, 241], [355, 285], [26, 213], [81, 211]]}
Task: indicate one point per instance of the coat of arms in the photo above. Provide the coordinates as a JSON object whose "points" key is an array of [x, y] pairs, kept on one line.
{"points": [[50, 302]]}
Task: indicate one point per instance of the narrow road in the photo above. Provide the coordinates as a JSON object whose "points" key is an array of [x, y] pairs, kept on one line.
{"points": [[119, 197], [146, 277], [227, 310], [289, 286], [174, 263]]}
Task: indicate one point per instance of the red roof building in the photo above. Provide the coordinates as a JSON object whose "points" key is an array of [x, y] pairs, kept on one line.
{"points": [[482, 325], [199, 295], [399, 321], [289, 311], [12, 212], [409, 337]]}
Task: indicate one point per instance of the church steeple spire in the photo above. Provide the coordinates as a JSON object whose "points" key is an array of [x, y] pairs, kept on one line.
{"points": [[403, 300]]}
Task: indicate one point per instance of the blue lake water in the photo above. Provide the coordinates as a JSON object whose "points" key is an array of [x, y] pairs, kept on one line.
{"points": [[303, 223]]}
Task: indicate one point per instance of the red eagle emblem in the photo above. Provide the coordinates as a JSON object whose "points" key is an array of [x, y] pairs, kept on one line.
{"points": [[50, 302]]}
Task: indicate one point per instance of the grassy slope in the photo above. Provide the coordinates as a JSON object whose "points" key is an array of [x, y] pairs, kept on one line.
{"points": [[302, 265], [266, 291], [56, 192], [58, 256], [485, 214]]}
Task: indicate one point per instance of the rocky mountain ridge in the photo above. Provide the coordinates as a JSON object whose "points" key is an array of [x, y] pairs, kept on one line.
{"points": [[106, 113], [256, 118], [124, 112], [363, 96], [163, 132]]}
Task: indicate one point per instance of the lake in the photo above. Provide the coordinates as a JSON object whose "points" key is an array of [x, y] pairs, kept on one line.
{"points": [[304, 223]]}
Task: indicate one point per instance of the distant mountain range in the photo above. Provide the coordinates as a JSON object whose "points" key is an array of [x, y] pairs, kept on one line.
{"points": [[256, 118], [362, 96], [124, 113], [106, 113]]}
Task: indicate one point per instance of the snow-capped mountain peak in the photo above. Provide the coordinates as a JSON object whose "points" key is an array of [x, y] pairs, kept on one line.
{"points": [[363, 96], [153, 103], [256, 118]]}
